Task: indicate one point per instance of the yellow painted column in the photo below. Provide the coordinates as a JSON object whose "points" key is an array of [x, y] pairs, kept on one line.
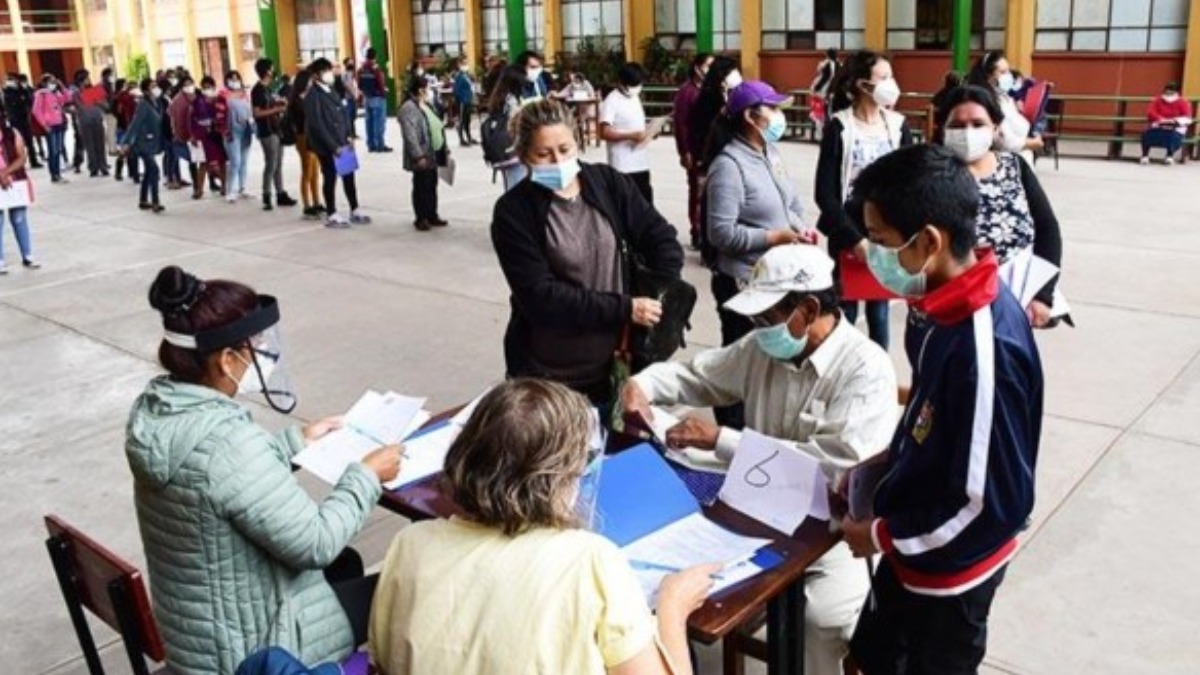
{"points": [[1019, 32], [285, 27], [345, 29], [875, 32], [751, 38], [191, 43], [473, 30], [150, 43], [18, 29], [81, 24], [639, 25], [400, 35], [1191, 59], [552, 13], [235, 44], [120, 36]]}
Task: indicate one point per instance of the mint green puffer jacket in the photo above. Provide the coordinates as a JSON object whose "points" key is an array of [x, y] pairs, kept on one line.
{"points": [[234, 546]]}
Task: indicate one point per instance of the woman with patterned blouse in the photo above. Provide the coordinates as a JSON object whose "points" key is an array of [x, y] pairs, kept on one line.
{"points": [[1014, 213]]}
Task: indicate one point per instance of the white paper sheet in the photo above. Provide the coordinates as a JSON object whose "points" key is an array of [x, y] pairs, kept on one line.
{"points": [[692, 458], [774, 483], [376, 419], [447, 173], [1025, 274], [15, 197], [694, 540], [653, 128], [425, 455]]}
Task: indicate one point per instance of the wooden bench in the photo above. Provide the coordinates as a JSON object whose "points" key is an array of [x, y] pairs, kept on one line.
{"points": [[91, 576]]}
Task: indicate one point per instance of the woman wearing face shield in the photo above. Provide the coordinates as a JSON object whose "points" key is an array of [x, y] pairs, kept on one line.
{"points": [[517, 470], [750, 204], [234, 545], [1015, 217], [559, 238], [861, 129]]}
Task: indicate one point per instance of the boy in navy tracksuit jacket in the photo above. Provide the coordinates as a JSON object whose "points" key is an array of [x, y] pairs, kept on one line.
{"points": [[959, 484]]}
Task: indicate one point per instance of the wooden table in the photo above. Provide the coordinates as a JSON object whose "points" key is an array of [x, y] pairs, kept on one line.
{"points": [[780, 589], [587, 113]]}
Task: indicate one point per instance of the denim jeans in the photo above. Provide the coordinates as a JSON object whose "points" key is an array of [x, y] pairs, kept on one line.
{"points": [[238, 151], [272, 165], [351, 109], [376, 122], [55, 140], [877, 319], [20, 225], [150, 177]]}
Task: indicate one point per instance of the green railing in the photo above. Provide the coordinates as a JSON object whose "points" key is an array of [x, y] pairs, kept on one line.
{"points": [[40, 21]]}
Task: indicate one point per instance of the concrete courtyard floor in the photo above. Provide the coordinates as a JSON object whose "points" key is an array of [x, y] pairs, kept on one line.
{"points": [[1105, 581]]}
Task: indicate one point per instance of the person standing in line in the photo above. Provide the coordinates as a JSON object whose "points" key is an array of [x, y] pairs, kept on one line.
{"points": [[48, 105], [170, 161], [685, 101], [268, 111], [18, 105], [179, 112], [310, 167], [464, 94], [78, 156], [827, 71], [424, 146], [92, 103], [623, 126], [13, 156], [207, 139], [503, 104], [143, 139], [862, 128], [329, 137], [372, 83], [110, 85], [722, 76], [351, 94], [235, 121], [992, 71], [127, 99]]}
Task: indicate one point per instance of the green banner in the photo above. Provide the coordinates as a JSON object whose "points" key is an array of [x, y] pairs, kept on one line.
{"points": [[961, 41], [704, 25], [377, 29], [514, 13], [269, 28]]}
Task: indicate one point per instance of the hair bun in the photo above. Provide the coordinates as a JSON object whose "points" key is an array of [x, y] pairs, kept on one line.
{"points": [[174, 291]]}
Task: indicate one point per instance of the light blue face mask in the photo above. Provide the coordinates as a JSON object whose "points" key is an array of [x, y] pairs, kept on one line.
{"points": [[555, 176], [774, 131], [778, 342], [885, 264]]}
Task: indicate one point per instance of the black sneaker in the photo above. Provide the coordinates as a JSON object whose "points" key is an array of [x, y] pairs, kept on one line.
{"points": [[286, 200]]}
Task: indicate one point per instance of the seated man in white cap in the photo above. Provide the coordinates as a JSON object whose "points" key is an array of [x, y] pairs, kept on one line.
{"points": [[807, 377]]}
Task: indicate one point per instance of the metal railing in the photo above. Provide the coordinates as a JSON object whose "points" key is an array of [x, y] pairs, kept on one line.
{"points": [[40, 21]]}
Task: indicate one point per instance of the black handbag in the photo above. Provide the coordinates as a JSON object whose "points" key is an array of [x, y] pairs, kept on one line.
{"points": [[678, 298]]}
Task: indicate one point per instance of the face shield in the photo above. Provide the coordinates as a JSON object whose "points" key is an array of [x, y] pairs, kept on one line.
{"points": [[589, 483], [259, 332]]}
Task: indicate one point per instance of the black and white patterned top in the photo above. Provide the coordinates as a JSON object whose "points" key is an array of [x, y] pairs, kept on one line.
{"points": [[1005, 222]]}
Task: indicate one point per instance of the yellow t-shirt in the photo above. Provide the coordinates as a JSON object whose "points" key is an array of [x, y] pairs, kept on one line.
{"points": [[456, 597]]}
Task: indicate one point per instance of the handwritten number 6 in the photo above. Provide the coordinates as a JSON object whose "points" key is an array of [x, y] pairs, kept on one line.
{"points": [[757, 476]]}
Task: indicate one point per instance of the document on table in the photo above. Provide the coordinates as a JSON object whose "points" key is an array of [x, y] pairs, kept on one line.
{"points": [[653, 128], [425, 455], [774, 483], [693, 540], [692, 458], [375, 420]]}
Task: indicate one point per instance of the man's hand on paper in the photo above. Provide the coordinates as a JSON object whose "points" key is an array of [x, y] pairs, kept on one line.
{"points": [[321, 428], [857, 534], [693, 433], [683, 592], [384, 462], [636, 406], [1038, 313]]}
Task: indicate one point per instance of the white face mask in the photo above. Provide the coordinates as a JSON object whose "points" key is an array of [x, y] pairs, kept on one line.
{"points": [[1170, 98], [233, 85], [155, 92], [634, 92], [970, 143], [172, 81], [732, 80], [533, 74], [189, 89], [327, 77], [52, 87], [886, 92], [210, 93], [250, 383], [1005, 82]]}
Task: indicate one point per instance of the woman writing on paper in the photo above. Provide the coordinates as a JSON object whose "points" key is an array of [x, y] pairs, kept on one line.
{"points": [[12, 171], [234, 545], [1015, 217], [515, 580], [559, 238]]}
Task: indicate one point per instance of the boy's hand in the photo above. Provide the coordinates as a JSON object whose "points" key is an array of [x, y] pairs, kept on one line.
{"points": [[857, 534]]}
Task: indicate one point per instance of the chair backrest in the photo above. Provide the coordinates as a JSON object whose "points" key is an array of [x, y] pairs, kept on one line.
{"points": [[1055, 107], [94, 577], [1033, 108]]}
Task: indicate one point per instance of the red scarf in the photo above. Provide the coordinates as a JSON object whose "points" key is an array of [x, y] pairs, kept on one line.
{"points": [[963, 295]]}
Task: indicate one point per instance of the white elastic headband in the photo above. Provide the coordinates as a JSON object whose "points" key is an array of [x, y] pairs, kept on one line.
{"points": [[180, 340]]}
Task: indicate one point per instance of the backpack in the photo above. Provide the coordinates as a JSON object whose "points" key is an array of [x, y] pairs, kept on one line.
{"points": [[287, 131], [495, 139]]}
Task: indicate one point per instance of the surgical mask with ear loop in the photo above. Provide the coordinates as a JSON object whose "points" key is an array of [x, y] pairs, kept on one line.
{"points": [[884, 263], [257, 372]]}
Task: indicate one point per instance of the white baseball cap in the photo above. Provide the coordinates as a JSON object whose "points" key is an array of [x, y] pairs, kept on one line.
{"points": [[782, 270]]}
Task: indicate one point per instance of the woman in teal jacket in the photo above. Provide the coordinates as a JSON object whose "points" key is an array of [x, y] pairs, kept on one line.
{"points": [[234, 546]]}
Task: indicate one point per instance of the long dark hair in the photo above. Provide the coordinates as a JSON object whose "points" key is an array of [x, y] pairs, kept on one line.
{"points": [[980, 74], [705, 118], [511, 83], [190, 306], [858, 67]]}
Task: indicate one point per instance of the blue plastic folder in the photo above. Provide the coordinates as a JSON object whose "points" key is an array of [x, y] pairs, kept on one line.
{"points": [[346, 162], [639, 493]]}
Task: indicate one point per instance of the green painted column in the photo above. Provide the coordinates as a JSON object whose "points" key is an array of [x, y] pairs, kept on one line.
{"points": [[704, 25], [377, 30], [269, 28], [514, 14], [961, 42]]}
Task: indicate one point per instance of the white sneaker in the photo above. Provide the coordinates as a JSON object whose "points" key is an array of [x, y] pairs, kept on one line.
{"points": [[1144, 161], [357, 218], [31, 264], [1169, 161], [231, 199], [245, 195], [337, 222]]}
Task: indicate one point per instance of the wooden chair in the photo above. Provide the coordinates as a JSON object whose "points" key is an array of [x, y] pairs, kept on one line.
{"points": [[1055, 108], [91, 576]]}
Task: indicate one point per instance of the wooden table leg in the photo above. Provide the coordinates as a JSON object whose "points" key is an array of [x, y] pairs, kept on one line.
{"points": [[785, 631]]}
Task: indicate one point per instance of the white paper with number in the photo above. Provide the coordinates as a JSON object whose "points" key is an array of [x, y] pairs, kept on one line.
{"points": [[774, 483]]}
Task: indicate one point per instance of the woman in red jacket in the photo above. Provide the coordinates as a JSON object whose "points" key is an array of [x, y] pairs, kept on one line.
{"points": [[1170, 116]]}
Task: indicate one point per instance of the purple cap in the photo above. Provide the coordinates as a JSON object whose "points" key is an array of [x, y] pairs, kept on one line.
{"points": [[751, 93]]}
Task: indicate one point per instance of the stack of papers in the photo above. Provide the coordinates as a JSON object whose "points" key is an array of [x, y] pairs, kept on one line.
{"points": [[692, 458], [375, 420], [425, 452]]}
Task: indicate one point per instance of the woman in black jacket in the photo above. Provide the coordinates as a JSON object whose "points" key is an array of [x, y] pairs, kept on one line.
{"points": [[559, 236], [329, 136]]}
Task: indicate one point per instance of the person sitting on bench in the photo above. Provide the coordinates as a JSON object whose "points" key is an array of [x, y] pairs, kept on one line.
{"points": [[1170, 116]]}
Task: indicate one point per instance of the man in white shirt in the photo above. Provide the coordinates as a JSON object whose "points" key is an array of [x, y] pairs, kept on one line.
{"points": [[623, 125], [807, 377]]}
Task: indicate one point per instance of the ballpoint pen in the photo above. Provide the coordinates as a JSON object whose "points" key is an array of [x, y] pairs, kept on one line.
{"points": [[371, 437], [656, 567]]}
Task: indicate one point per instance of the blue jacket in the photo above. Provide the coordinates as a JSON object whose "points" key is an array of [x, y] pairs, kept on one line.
{"points": [[960, 478], [464, 89]]}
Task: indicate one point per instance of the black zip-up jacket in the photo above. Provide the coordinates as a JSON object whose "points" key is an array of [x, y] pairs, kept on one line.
{"points": [[325, 121], [539, 298]]}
